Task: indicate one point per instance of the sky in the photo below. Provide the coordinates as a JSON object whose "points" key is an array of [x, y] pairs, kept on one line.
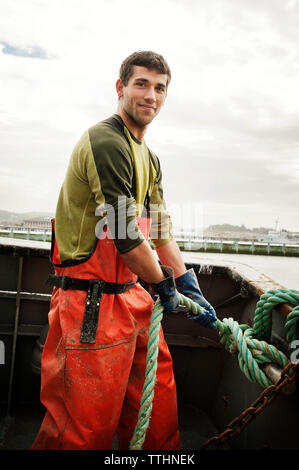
{"points": [[228, 134]]}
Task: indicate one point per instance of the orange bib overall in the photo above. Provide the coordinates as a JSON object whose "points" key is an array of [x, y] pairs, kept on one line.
{"points": [[92, 390]]}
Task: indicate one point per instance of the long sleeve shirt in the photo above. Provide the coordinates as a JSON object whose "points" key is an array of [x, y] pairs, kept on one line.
{"points": [[110, 179]]}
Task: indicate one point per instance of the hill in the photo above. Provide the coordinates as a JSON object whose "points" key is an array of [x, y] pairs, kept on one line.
{"points": [[18, 217]]}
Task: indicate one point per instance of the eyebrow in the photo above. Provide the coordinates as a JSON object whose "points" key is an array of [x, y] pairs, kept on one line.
{"points": [[144, 80]]}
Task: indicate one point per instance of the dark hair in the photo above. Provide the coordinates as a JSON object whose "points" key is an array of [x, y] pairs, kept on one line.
{"points": [[148, 59]]}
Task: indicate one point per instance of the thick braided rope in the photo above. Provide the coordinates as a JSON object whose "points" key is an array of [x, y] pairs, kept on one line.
{"points": [[151, 368], [251, 352], [290, 325], [150, 379], [264, 307], [234, 337]]}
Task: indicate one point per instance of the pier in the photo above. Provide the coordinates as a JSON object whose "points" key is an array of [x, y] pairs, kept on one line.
{"points": [[186, 244], [239, 247]]}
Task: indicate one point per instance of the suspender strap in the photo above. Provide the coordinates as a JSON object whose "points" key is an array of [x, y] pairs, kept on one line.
{"points": [[95, 289]]}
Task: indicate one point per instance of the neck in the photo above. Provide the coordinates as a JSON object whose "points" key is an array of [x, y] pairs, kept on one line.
{"points": [[137, 130]]}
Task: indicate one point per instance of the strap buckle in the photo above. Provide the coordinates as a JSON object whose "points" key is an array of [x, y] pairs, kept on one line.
{"points": [[91, 313]]}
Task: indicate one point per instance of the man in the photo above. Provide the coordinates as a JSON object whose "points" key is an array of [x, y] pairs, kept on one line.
{"points": [[94, 358]]}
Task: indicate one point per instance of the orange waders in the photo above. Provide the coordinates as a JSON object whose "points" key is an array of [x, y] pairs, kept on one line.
{"points": [[93, 368]]}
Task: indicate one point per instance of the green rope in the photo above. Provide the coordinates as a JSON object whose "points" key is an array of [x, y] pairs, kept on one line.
{"points": [[264, 307], [150, 379], [237, 339]]}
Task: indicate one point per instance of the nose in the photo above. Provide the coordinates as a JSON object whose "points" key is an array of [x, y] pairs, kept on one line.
{"points": [[150, 94]]}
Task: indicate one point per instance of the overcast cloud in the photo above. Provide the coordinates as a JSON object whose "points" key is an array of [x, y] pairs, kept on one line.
{"points": [[228, 136]]}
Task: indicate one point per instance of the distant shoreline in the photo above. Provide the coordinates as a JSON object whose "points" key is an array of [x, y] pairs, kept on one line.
{"points": [[198, 246]]}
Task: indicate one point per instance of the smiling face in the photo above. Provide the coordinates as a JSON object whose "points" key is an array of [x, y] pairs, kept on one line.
{"points": [[143, 96]]}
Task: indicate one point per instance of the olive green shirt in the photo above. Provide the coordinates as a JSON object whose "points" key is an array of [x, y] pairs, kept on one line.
{"points": [[109, 176]]}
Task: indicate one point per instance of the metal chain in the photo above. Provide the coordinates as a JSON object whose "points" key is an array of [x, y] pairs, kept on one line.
{"points": [[236, 426]]}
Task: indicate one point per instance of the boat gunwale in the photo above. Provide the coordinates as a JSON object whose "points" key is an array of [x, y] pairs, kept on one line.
{"points": [[251, 280]]}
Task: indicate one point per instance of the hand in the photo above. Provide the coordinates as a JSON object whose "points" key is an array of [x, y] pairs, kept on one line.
{"points": [[167, 291], [187, 285]]}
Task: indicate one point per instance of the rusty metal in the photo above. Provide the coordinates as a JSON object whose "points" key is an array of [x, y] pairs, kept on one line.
{"points": [[284, 309], [273, 371], [236, 426]]}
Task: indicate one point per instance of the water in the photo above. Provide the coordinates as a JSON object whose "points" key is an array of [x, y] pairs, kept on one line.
{"points": [[284, 270]]}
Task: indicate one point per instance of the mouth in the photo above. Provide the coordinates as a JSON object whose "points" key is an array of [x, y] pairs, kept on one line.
{"points": [[147, 106]]}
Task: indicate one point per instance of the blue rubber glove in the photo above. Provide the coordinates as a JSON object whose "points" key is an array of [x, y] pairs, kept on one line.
{"points": [[187, 285], [167, 291]]}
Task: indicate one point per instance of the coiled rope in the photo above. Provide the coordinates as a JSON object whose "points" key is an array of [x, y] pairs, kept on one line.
{"points": [[237, 339]]}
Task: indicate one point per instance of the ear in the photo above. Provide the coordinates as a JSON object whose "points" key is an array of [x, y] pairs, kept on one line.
{"points": [[119, 88]]}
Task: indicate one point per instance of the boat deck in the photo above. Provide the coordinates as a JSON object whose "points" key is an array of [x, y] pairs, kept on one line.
{"points": [[20, 430]]}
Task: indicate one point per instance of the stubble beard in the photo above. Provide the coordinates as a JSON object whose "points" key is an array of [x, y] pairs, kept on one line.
{"points": [[131, 109]]}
